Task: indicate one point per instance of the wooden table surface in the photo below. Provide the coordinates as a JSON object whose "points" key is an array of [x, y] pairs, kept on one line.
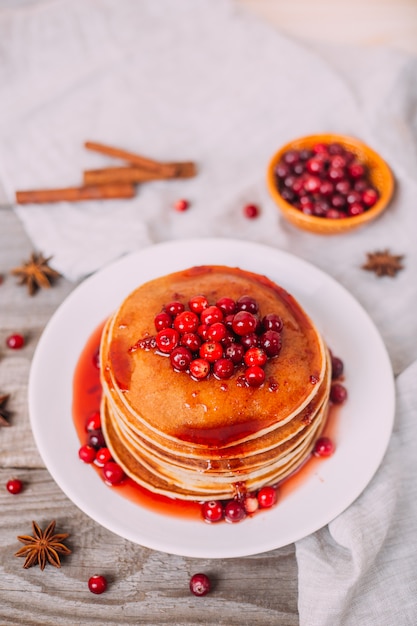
{"points": [[145, 586]]}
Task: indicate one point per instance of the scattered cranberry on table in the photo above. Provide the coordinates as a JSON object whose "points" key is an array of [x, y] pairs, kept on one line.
{"points": [[97, 584], [15, 342], [200, 584], [325, 181], [251, 211], [14, 486], [181, 205]]}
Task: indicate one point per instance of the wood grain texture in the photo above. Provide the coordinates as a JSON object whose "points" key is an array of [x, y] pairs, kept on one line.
{"points": [[145, 586]]}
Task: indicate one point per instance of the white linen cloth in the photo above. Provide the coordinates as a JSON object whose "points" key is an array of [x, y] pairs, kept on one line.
{"points": [[202, 80]]}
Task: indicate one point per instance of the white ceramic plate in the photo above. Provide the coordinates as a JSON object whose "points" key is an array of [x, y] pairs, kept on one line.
{"points": [[324, 494]]}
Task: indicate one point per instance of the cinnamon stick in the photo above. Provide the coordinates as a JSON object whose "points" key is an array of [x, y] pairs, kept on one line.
{"points": [[76, 194], [168, 169], [136, 174]]}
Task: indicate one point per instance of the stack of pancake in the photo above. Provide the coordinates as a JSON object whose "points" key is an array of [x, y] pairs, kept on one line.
{"points": [[204, 440]]}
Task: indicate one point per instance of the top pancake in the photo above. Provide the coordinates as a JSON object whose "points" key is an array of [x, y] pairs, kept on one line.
{"points": [[211, 413]]}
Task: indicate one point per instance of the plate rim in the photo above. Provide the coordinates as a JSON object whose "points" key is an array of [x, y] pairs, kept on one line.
{"points": [[224, 543]]}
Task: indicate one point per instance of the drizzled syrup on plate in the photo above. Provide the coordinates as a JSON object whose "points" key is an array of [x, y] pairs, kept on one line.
{"points": [[87, 394]]}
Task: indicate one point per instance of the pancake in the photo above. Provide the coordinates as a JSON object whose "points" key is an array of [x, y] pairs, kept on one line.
{"points": [[198, 439]]}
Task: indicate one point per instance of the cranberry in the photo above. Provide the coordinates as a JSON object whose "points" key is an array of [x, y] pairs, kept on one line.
{"points": [[320, 208], [360, 185], [288, 195], [87, 454], [271, 342], [312, 184], [272, 322], [217, 331], [323, 447], [249, 341], [338, 201], [227, 306], [307, 209], [320, 148], [251, 504], [202, 331], [197, 304], [282, 170], [305, 154], [186, 322], [14, 486], [15, 342], [211, 351], [113, 473], [229, 338], [267, 496], [355, 209], [254, 375], [167, 339], [353, 196], [338, 393], [356, 170], [211, 315], [335, 148], [191, 341], [200, 584], [251, 211], [244, 323], [336, 174], [103, 456], [334, 214], [255, 356], [338, 161], [298, 186], [247, 303], [299, 168], [290, 157], [234, 511], [212, 511], [96, 439], [326, 188], [97, 584], [235, 352], [315, 166], [174, 308], [223, 368], [181, 358], [93, 421], [290, 181], [343, 187], [337, 367], [199, 368], [369, 197], [162, 320], [181, 205]]}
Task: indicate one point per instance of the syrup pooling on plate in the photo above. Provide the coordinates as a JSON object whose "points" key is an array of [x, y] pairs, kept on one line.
{"points": [[240, 488]]}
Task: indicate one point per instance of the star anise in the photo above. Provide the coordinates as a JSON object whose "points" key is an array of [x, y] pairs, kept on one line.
{"points": [[36, 273], [4, 413], [43, 546], [383, 263]]}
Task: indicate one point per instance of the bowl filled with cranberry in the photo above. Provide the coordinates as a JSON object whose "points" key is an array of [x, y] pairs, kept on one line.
{"points": [[329, 183]]}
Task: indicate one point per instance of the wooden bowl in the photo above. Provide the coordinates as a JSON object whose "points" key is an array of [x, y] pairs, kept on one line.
{"points": [[379, 173]]}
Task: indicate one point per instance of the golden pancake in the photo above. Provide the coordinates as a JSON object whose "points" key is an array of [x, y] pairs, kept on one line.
{"points": [[196, 439]]}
